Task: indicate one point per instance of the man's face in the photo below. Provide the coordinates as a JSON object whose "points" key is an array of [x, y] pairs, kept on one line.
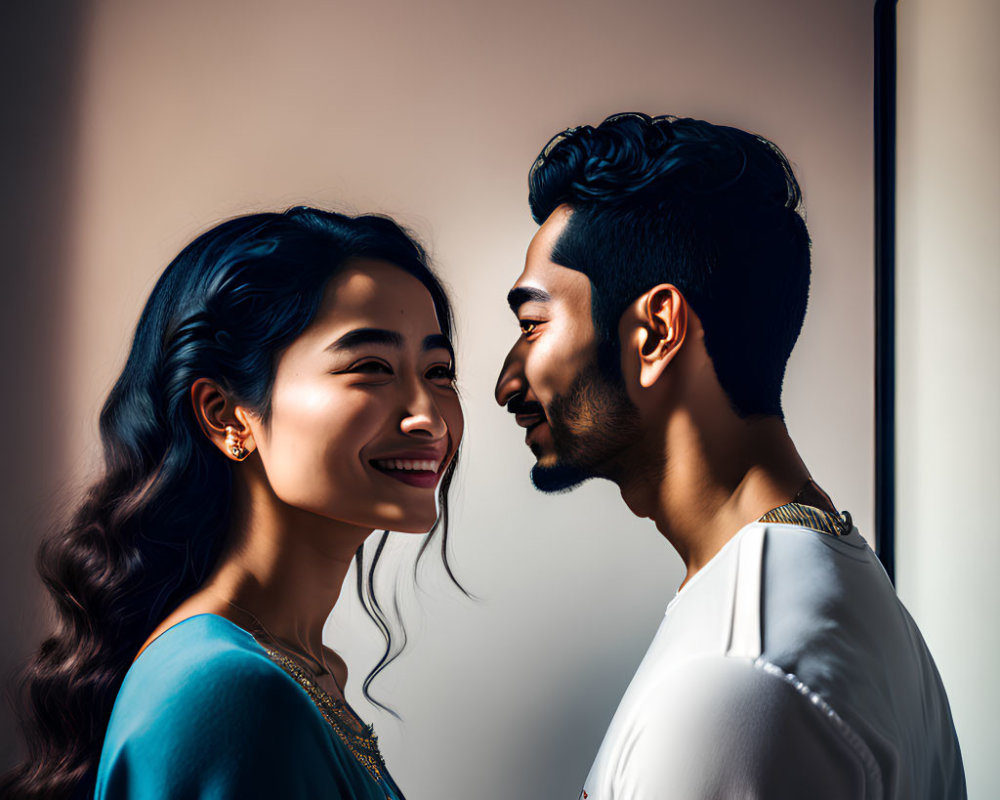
{"points": [[578, 422]]}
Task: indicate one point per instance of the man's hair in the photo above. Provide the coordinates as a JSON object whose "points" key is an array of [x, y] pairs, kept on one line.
{"points": [[710, 209]]}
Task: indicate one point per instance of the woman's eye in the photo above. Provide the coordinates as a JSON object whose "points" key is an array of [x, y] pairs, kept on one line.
{"points": [[372, 368], [441, 373]]}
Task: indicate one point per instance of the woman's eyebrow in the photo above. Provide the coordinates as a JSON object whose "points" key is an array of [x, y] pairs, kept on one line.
{"points": [[366, 336], [361, 337], [439, 340]]}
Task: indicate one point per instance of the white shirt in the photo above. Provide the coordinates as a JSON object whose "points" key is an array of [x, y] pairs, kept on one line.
{"points": [[785, 668]]}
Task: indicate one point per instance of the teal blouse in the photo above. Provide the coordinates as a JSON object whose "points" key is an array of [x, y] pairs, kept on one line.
{"points": [[207, 713]]}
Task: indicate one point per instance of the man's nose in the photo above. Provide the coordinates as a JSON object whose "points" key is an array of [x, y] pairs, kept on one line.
{"points": [[511, 380]]}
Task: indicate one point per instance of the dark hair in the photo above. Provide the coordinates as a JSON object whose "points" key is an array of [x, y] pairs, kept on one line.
{"points": [[708, 208], [152, 528]]}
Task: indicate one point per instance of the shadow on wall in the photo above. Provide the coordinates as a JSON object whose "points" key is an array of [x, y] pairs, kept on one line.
{"points": [[40, 54]]}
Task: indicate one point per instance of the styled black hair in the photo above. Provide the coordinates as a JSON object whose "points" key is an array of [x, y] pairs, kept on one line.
{"points": [[154, 524], [710, 209]]}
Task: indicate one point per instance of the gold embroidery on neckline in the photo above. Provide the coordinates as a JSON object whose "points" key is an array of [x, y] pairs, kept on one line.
{"points": [[362, 745], [811, 517]]}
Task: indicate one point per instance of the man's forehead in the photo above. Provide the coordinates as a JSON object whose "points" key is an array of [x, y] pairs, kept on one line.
{"points": [[537, 283], [545, 238], [539, 269], [544, 281]]}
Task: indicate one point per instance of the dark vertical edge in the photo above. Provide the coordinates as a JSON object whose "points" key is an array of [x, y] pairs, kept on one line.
{"points": [[885, 284], [42, 46]]}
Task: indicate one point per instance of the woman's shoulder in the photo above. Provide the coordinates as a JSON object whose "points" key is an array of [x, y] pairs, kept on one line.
{"points": [[205, 697], [204, 672], [204, 659], [210, 635]]}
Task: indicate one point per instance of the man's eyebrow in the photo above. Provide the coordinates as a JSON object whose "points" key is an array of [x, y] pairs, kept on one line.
{"points": [[520, 295], [365, 336]]}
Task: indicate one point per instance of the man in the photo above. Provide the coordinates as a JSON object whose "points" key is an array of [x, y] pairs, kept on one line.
{"points": [[659, 303]]}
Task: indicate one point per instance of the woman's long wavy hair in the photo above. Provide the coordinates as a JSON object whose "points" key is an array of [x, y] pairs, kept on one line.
{"points": [[151, 529]]}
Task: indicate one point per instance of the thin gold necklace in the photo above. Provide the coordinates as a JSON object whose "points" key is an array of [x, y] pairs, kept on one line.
{"points": [[363, 743], [296, 651]]}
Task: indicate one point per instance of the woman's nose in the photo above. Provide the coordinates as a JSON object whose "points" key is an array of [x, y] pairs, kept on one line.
{"points": [[423, 417]]}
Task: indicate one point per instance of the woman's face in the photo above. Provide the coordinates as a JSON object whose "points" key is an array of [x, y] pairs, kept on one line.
{"points": [[364, 412]]}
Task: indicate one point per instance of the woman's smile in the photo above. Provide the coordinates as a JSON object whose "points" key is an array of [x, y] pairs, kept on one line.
{"points": [[415, 467]]}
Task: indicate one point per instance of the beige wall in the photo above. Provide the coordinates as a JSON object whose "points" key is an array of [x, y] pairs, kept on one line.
{"points": [[194, 111], [948, 273]]}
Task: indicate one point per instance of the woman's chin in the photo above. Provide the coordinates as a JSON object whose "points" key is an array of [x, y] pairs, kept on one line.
{"points": [[408, 520], [417, 526], [413, 531]]}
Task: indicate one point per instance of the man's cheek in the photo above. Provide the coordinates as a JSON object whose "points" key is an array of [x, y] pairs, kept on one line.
{"points": [[549, 372]]}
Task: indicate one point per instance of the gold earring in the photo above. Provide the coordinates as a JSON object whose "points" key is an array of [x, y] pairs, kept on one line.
{"points": [[234, 444]]}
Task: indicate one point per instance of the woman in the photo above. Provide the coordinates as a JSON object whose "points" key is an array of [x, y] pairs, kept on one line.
{"points": [[290, 389]]}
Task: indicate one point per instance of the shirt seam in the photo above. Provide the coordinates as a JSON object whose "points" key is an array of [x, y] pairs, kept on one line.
{"points": [[839, 725]]}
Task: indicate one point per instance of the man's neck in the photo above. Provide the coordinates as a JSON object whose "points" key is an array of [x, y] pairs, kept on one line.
{"points": [[709, 478]]}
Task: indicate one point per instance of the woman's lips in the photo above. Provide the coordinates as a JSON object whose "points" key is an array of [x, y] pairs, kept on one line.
{"points": [[423, 473], [423, 480]]}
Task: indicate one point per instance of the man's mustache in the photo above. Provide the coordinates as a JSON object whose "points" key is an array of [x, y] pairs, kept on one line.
{"points": [[518, 405]]}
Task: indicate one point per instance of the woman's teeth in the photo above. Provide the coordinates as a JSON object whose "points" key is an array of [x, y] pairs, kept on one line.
{"points": [[407, 464]]}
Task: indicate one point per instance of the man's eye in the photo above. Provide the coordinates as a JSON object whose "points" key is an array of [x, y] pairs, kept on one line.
{"points": [[528, 326]]}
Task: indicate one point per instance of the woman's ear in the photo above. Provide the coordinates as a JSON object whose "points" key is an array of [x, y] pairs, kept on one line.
{"points": [[662, 318], [225, 424]]}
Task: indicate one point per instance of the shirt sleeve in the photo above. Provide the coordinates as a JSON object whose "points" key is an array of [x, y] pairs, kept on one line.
{"points": [[236, 729], [726, 728]]}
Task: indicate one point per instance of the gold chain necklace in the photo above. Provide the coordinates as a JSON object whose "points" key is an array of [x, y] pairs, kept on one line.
{"points": [[363, 744], [308, 656]]}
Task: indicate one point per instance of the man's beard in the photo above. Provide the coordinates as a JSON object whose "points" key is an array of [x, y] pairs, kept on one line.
{"points": [[591, 425]]}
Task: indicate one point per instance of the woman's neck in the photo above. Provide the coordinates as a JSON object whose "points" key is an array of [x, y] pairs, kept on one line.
{"points": [[283, 566]]}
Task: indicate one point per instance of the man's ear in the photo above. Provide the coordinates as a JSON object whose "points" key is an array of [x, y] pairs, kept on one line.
{"points": [[226, 424], [662, 315]]}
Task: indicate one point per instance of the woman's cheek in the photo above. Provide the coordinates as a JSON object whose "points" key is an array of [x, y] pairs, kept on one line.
{"points": [[313, 453]]}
